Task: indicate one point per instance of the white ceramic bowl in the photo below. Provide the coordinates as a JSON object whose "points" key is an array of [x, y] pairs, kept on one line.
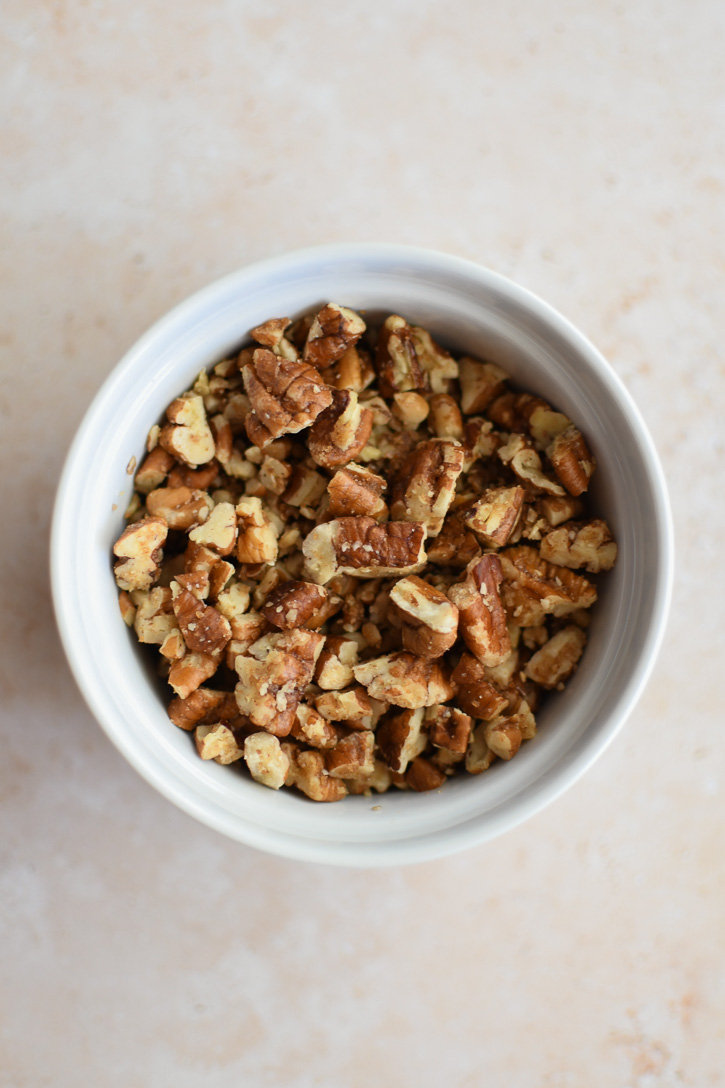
{"points": [[468, 308]]}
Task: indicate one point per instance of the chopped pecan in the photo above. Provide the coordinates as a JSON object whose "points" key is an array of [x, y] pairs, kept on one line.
{"points": [[267, 763], [247, 630], [356, 491], [310, 727], [573, 463], [286, 395], [154, 618], [233, 604], [480, 442], [335, 664], [199, 708], [589, 546], [333, 330], [127, 607], [180, 507], [217, 742], [558, 510], [187, 435], [411, 409], [446, 420], [545, 424], [292, 604], [534, 588], [363, 548], [220, 577], [190, 672], [422, 775], [308, 773], [448, 727], [352, 756], [219, 531], [404, 680], [273, 676], [554, 663], [503, 736], [380, 780], [271, 335], [424, 488], [454, 546], [173, 648], [400, 738], [437, 364], [482, 618], [274, 475], [205, 630], [480, 383], [196, 478], [396, 360], [154, 470], [479, 756], [139, 552], [344, 706], [257, 540], [476, 696], [430, 619], [526, 464], [305, 488], [495, 514], [341, 431]]}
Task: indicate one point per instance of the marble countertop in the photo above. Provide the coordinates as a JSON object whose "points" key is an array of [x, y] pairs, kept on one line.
{"points": [[147, 149]]}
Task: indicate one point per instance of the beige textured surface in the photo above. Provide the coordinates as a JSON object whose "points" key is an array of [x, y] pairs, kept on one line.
{"points": [[147, 148]]}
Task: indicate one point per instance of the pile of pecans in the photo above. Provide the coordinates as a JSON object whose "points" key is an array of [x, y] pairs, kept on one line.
{"points": [[361, 558]]}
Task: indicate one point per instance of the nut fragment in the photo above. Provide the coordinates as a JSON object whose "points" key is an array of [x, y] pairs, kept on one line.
{"points": [[403, 679], [445, 417], [424, 488], [476, 696], [292, 604], [267, 763], [448, 727], [139, 552], [590, 546], [217, 742], [344, 706], [180, 507], [422, 775], [534, 588], [479, 756], [187, 435], [503, 736], [257, 540], [154, 470], [271, 335], [556, 660], [482, 618], [308, 773], [526, 464], [309, 726], [198, 708], [352, 756], [219, 531], [273, 676], [336, 662], [154, 619], [286, 395], [189, 673], [205, 630], [572, 461], [430, 619], [333, 330], [438, 365], [396, 359], [480, 383], [341, 431], [410, 408], [494, 515], [363, 548], [401, 738], [356, 491]]}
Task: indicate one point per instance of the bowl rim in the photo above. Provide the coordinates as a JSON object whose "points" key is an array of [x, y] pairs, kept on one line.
{"points": [[474, 831]]}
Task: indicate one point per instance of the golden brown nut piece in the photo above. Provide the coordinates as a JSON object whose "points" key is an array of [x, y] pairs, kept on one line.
{"points": [[180, 507], [476, 696], [352, 756], [438, 365], [202, 707], [271, 335], [257, 540], [205, 630], [448, 727], [307, 772], [554, 663], [430, 619], [341, 431], [573, 463], [267, 763], [187, 435], [526, 464], [335, 664], [154, 470], [396, 359], [495, 514], [140, 550], [363, 548], [423, 490], [480, 383], [286, 395], [219, 530], [154, 620], [400, 738], [482, 619], [403, 679], [293, 603], [357, 491], [333, 330], [190, 672], [273, 676], [422, 775], [345, 706], [534, 588], [589, 546], [217, 742]]}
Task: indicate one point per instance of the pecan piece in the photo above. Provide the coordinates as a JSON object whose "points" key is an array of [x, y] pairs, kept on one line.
{"points": [[430, 619], [273, 676], [557, 510], [341, 431], [356, 491], [363, 548], [554, 663], [422, 776], [411, 409], [333, 330], [482, 618], [400, 738], [495, 514], [180, 507], [352, 756], [480, 383], [424, 488], [187, 435], [266, 761], [454, 546], [257, 540], [448, 727], [154, 470], [190, 672], [503, 736], [353, 371], [437, 364], [396, 360], [479, 756], [526, 464], [205, 630], [219, 531], [308, 773], [271, 335], [139, 552], [310, 727], [534, 588], [335, 664], [403, 679], [292, 604], [589, 546], [286, 395], [217, 742], [199, 708], [573, 463], [446, 420], [154, 620], [344, 706], [476, 695]]}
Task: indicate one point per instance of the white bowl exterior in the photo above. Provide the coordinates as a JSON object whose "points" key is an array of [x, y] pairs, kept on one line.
{"points": [[469, 309]]}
